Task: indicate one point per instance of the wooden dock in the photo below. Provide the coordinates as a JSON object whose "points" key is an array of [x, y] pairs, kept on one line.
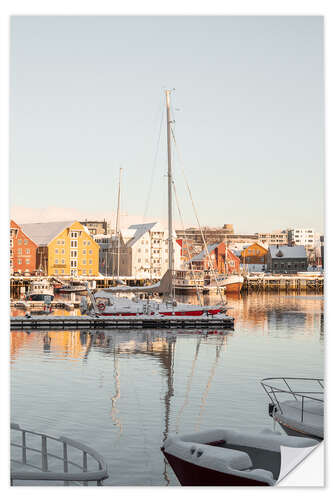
{"points": [[278, 282], [48, 322]]}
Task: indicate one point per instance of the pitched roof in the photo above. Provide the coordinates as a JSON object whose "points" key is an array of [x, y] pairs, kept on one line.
{"points": [[288, 252], [203, 254], [44, 232]]}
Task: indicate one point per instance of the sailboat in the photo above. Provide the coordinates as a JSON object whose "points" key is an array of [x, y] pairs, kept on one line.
{"points": [[116, 302]]}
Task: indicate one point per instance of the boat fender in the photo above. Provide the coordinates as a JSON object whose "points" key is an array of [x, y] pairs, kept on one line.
{"points": [[101, 306]]}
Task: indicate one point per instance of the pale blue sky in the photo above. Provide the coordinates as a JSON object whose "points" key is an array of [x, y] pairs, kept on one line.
{"points": [[86, 98]]}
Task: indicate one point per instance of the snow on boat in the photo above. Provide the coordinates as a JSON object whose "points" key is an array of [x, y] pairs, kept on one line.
{"points": [[225, 457], [297, 404]]}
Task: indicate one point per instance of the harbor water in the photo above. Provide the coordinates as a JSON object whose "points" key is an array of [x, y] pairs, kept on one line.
{"points": [[123, 392]]}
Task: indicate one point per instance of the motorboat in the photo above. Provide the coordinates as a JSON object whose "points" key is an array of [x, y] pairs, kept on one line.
{"points": [[297, 405], [232, 283], [226, 457], [40, 290]]}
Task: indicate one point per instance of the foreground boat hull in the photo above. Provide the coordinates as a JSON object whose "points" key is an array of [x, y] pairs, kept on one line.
{"points": [[193, 475]]}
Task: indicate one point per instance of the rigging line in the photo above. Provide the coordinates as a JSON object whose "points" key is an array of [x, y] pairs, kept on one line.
{"points": [[154, 167], [197, 218], [206, 391], [187, 245], [189, 384]]}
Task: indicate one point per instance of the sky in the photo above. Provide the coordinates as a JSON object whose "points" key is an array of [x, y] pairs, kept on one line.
{"points": [[87, 97]]}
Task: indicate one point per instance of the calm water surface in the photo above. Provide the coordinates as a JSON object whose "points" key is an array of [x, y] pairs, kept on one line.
{"points": [[123, 392]]}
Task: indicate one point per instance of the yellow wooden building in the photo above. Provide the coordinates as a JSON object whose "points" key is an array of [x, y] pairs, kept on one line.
{"points": [[254, 254], [64, 248]]}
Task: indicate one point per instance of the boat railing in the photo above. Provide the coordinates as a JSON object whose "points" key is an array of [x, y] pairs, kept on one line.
{"points": [[275, 392], [45, 452]]}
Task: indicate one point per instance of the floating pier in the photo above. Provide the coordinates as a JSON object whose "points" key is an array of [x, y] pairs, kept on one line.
{"points": [[274, 282], [48, 322]]}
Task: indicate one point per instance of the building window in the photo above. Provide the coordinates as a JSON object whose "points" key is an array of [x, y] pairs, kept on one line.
{"points": [[56, 271], [84, 252], [59, 242], [90, 271], [62, 250], [19, 251], [56, 250], [73, 234], [62, 271], [27, 261], [90, 252], [19, 261], [73, 263], [139, 260], [84, 242], [25, 242], [84, 271], [90, 261], [73, 253], [20, 242], [56, 261], [84, 262], [88, 243], [27, 251], [63, 261], [73, 244]]}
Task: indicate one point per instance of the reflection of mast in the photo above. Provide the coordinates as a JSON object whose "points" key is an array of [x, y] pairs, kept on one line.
{"points": [[114, 398], [189, 383], [168, 395], [211, 376]]}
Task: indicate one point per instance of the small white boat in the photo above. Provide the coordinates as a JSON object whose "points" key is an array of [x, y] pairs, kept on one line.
{"points": [[40, 290], [297, 404], [225, 457]]}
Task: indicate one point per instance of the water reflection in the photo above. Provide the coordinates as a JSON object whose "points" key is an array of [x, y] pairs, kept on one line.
{"points": [[123, 392]]}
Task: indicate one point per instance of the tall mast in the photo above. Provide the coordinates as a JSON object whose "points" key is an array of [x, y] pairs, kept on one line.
{"points": [[117, 222], [170, 246]]}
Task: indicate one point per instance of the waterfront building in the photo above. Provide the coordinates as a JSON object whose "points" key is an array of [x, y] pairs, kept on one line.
{"points": [[254, 254], [217, 259], [95, 226], [64, 248], [144, 251], [22, 250], [301, 236], [211, 234], [274, 238], [286, 259]]}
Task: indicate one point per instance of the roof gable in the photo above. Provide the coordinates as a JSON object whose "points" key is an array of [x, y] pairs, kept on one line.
{"points": [[43, 233]]}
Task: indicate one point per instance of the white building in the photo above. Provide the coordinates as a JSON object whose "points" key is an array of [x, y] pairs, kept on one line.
{"points": [[302, 236], [144, 251]]}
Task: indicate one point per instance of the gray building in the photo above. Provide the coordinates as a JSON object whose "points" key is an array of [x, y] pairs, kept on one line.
{"points": [[286, 259]]}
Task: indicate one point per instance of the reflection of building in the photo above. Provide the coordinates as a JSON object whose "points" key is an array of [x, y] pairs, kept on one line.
{"points": [[64, 248]]}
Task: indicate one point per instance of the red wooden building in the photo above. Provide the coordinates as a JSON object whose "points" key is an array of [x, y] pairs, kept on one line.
{"points": [[223, 263], [22, 251]]}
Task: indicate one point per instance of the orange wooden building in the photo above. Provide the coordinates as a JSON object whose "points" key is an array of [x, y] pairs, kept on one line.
{"points": [[254, 254], [22, 250]]}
